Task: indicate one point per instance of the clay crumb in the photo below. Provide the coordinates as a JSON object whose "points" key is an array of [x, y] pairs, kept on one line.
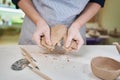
{"points": [[68, 60], [46, 56], [55, 58]]}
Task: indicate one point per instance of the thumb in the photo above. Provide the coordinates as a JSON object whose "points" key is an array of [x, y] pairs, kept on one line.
{"points": [[68, 42], [47, 38], [36, 38], [80, 43]]}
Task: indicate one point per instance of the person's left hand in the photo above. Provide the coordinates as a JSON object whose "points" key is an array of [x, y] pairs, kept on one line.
{"points": [[74, 34]]}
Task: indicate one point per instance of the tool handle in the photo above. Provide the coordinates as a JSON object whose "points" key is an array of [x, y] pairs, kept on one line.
{"points": [[29, 58], [26, 53], [39, 73]]}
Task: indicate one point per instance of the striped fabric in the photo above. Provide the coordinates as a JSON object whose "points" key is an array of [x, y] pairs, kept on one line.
{"points": [[59, 11]]}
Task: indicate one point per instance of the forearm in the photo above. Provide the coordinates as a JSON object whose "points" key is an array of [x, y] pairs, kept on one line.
{"points": [[28, 8], [90, 11]]}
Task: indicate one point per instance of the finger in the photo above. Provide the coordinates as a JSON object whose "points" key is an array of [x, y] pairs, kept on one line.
{"points": [[68, 42], [36, 38], [47, 38], [80, 43], [75, 51]]}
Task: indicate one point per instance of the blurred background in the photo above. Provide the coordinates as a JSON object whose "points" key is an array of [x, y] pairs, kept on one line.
{"points": [[102, 29]]}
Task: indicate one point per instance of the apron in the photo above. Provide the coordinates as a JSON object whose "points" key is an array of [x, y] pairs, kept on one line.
{"points": [[54, 12]]}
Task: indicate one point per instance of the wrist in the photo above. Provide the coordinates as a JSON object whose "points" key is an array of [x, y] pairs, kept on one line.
{"points": [[76, 25], [39, 21]]}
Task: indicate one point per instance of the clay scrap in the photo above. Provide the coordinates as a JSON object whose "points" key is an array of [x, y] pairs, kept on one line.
{"points": [[105, 68], [58, 33]]}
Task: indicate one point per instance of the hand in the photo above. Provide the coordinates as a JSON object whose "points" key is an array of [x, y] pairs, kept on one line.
{"points": [[74, 34], [42, 30]]}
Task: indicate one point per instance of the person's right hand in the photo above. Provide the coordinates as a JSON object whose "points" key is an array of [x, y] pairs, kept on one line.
{"points": [[42, 30]]}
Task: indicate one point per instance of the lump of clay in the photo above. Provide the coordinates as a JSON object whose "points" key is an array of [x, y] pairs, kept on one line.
{"points": [[58, 32], [73, 45]]}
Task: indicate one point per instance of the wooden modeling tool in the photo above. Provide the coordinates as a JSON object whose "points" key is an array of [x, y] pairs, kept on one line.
{"points": [[33, 66], [29, 58]]}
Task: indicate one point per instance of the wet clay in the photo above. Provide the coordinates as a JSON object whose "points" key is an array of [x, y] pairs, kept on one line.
{"points": [[58, 33], [72, 47]]}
